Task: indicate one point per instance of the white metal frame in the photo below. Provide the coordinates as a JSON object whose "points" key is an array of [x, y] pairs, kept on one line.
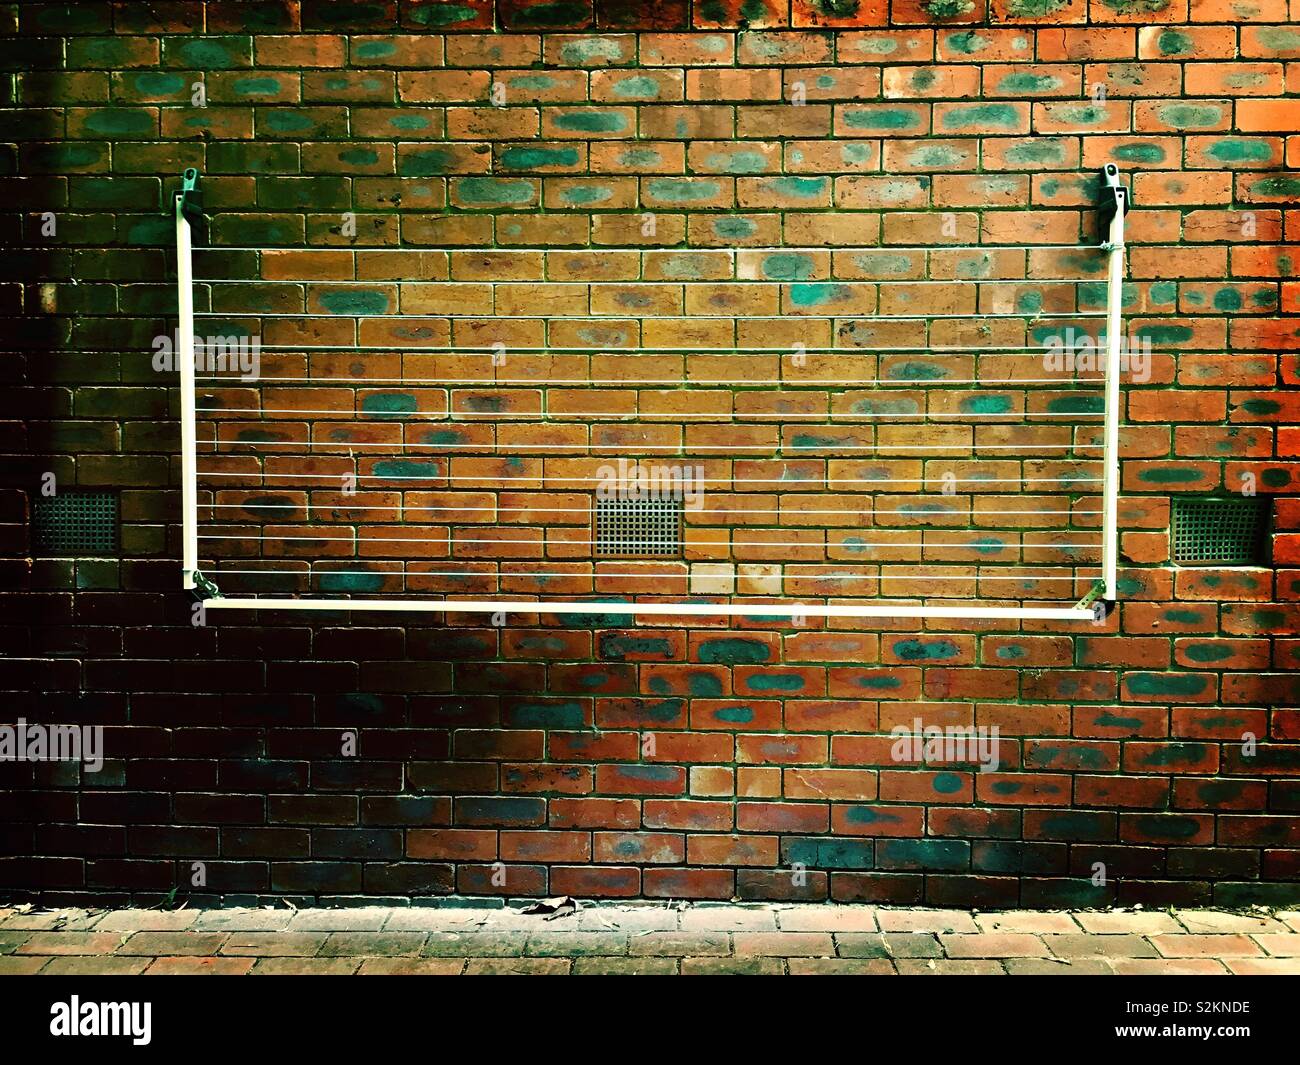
{"points": [[1106, 588]]}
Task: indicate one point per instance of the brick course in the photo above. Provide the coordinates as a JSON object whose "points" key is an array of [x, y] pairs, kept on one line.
{"points": [[665, 759]]}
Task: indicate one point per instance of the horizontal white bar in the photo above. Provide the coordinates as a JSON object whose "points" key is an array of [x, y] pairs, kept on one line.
{"points": [[790, 485], [643, 349], [564, 542], [596, 249], [479, 606], [408, 509], [722, 416], [630, 282], [694, 318], [679, 382]]}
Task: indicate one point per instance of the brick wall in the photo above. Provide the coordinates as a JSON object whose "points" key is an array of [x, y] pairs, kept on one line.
{"points": [[592, 756]]}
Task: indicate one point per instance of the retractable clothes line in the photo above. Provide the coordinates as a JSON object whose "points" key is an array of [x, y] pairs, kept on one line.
{"points": [[989, 505]]}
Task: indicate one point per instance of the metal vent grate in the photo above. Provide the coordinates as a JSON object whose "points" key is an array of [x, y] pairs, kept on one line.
{"points": [[74, 523], [1229, 532], [638, 528]]}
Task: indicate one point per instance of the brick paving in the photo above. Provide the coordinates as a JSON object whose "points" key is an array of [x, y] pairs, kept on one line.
{"points": [[646, 939]]}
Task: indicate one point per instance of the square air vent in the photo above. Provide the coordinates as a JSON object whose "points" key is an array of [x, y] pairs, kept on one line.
{"points": [[637, 528], [74, 523], [1224, 532]]}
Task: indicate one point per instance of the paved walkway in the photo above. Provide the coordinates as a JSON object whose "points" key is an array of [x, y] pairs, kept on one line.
{"points": [[757, 939]]}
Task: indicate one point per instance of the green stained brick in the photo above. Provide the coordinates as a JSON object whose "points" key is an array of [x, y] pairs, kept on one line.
{"points": [[1034, 8], [877, 46], [1080, 404], [110, 192], [389, 403], [682, 190], [1172, 42], [618, 646], [427, 162], [918, 371], [359, 157], [567, 715], [967, 43], [410, 123], [1165, 335], [777, 682], [1277, 186], [373, 49], [211, 53], [816, 293], [1189, 116], [1169, 475], [486, 190], [638, 157], [1165, 293], [120, 121], [148, 232], [521, 157], [787, 266], [1279, 38], [935, 156], [943, 854], [925, 650], [441, 16], [403, 468], [351, 582], [586, 195], [239, 157], [1109, 720], [982, 116], [591, 50], [1171, 684], [732, 226], [1037, 151], [737, 162], [154, 83], [284, 120], [1139, 153], [1136, 7], [639, 86], [1175, 754], [890, 118], [591, 121], [67, 155], [255, 86], [830, 854], [1167, 826], [1026, 82], [800, 187], [1261, 406], [1227, 299], [735, 715], [734, 651]]}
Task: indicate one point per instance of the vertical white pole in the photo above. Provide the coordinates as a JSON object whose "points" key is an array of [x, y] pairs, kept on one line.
{"points": [[1114, 339], [189, 444]]}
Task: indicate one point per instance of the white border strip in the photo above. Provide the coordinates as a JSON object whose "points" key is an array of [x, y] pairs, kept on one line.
{"points": [[189, 435], [525, 606], [189, 494], [1110, 453]]}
